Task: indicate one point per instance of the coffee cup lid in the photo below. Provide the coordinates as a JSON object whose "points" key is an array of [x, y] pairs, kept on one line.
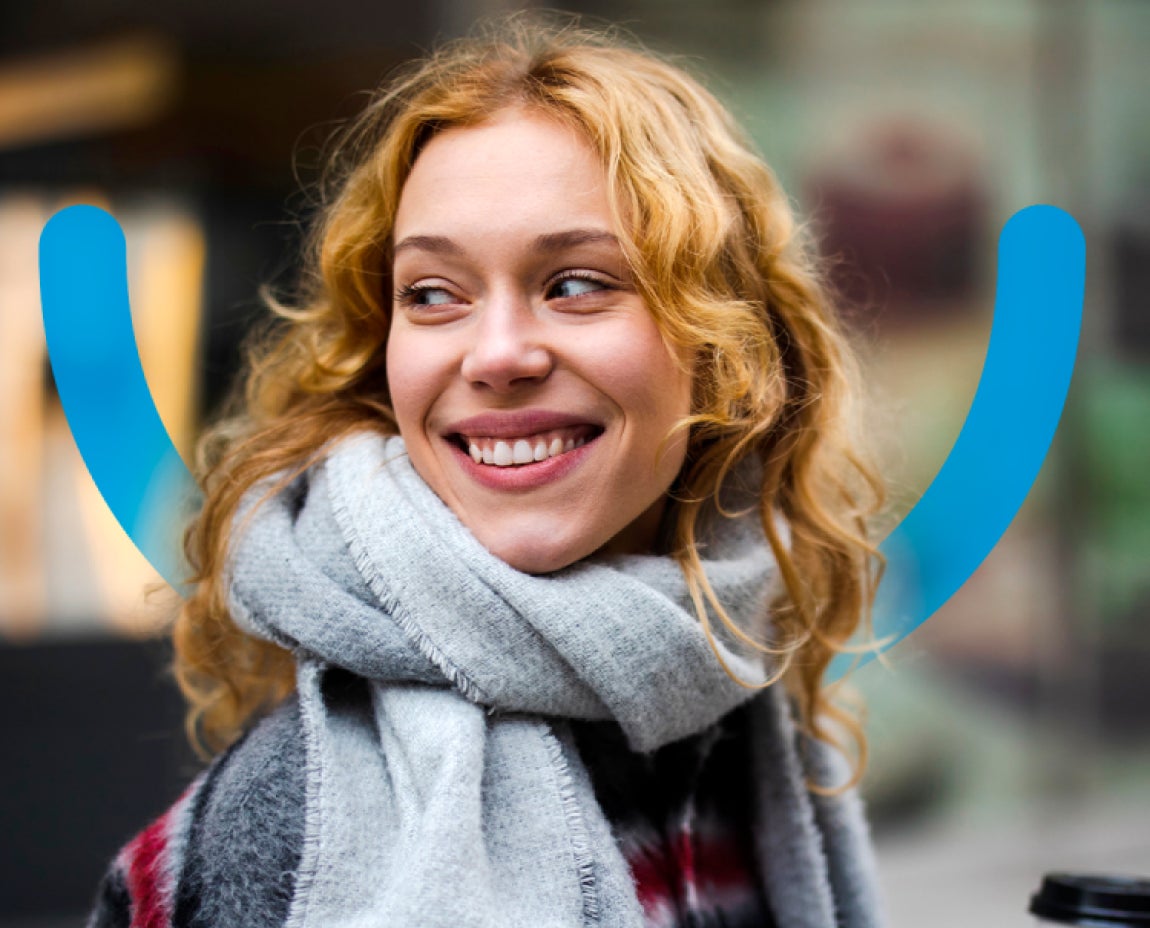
{"points": [[1087, 899]]}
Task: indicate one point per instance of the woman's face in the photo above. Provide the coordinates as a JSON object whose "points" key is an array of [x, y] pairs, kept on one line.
{"points": [[530, 383]]}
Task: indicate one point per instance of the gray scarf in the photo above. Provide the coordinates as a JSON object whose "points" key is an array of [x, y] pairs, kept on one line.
{"points": [[457, 797]]}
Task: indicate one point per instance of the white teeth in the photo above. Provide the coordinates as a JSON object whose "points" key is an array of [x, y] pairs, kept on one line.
{"points": [[519, 451]]}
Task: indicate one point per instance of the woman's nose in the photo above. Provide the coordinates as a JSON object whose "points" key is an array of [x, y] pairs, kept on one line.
{"points": [[507, 350]]}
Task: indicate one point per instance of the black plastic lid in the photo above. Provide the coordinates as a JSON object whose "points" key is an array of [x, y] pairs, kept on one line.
{"points": [[1083, 899]]}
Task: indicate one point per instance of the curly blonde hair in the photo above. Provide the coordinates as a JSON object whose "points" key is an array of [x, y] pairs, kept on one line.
{"points": [[718, 257]]}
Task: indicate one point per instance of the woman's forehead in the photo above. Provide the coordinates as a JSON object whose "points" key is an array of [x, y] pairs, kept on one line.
{"points": [[520, 169]]}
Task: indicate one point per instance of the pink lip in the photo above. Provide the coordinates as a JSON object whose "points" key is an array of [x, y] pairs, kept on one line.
{"points": [[522, 476], [518, 424]]}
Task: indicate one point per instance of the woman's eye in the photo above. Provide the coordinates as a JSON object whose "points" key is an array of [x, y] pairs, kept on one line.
{"points": [[574, 287], [433, 296], [424, 296]]}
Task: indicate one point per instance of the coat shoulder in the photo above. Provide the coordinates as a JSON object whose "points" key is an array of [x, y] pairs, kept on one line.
{"points": [[227, 851]]}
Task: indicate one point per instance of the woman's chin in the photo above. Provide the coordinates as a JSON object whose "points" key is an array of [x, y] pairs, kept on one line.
{"points": [[543, 543], [533, 555], [537, 560]]}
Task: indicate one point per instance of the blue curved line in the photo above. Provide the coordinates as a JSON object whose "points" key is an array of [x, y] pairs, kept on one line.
{"points": [[943, 540], [92, 350], [1007, 433]]}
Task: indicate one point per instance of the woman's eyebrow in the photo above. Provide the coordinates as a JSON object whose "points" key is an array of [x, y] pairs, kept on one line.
{"points": [[548, 241], [436, 244], [557, 241]]}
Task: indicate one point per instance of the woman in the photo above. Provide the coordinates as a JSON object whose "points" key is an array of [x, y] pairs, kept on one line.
{"points": [[519, 567]]}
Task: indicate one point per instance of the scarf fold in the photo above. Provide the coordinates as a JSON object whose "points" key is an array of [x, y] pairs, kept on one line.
{"points": [[456, 797]]}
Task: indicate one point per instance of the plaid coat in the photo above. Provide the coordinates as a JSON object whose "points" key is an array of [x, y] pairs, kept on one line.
{"points": [[226, 853]]}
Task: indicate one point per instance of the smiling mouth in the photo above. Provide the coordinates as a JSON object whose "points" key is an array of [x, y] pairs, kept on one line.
{"points": [[527, 449]]}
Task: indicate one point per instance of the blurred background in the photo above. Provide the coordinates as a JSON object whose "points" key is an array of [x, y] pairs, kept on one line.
{"points": [[1010, 735]]}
